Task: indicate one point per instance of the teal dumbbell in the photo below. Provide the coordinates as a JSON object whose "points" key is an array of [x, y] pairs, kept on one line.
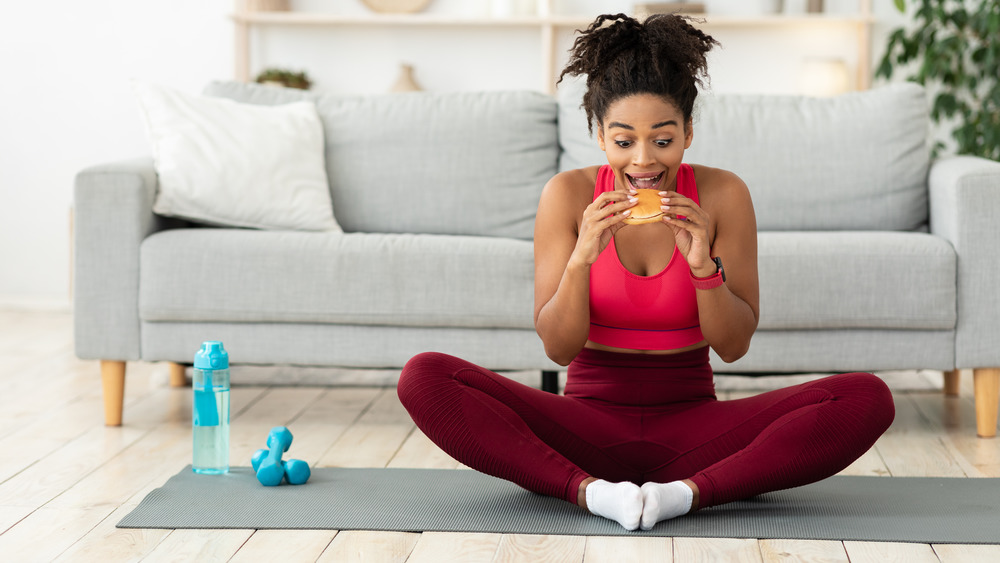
{"points": [[268, 466], [272, 469], [297, 471]]}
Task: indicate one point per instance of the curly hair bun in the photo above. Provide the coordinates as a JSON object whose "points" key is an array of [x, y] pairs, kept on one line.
{"points": [[620, 56]]}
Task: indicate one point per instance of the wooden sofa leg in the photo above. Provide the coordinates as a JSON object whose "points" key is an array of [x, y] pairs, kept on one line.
{"points": [[987, 389], [113, 381], [177, 377], [952, 382]]}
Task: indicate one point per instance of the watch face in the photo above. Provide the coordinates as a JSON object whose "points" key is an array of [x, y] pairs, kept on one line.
{"points": [[721, 270]]}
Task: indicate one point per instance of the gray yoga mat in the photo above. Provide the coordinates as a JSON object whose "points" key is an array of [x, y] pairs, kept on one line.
{"points": [[899, 509]]}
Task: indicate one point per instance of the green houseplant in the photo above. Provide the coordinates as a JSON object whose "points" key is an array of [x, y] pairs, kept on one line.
{"points": [[286, 78], [955, 47]]}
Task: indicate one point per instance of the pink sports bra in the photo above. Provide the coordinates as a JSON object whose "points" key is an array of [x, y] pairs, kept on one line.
{"points": [[658, 312]]}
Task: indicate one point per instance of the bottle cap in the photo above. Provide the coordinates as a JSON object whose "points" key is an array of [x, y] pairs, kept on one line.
{"points": [[211, 356]]}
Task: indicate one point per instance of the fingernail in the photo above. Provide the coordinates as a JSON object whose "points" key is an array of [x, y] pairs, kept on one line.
{"points": [[633, 199], [626, 212]]}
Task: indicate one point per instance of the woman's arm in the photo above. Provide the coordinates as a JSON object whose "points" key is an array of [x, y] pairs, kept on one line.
{"points": [[570, 233], [724, 226]]}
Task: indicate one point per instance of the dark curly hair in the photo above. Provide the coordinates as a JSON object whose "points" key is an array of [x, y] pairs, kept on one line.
{"points": [[620, 56]]}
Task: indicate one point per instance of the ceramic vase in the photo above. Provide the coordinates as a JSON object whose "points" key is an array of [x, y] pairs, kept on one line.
{"points": [[405, 82]]}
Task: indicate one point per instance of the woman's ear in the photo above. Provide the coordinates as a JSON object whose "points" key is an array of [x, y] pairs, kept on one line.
{"points": [[600, 137], [688, 133]]}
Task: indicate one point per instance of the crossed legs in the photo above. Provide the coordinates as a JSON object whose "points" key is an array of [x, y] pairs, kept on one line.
{"points": [[719, 451]]}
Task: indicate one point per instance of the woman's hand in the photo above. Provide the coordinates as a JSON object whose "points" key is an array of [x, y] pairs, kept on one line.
{"points": [[692, 229], [601, 220]]}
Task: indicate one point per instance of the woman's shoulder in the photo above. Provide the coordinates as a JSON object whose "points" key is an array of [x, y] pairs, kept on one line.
{"points": [[719, 185], [713, 179], [721, 192], [564, 199], [575, 184]]}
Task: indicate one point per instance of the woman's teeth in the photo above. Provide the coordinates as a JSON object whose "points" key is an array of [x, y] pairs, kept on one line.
{"points": [[644, 183]]}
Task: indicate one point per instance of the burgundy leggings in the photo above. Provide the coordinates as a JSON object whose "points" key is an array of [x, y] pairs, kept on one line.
{"points": [[639, 418]]}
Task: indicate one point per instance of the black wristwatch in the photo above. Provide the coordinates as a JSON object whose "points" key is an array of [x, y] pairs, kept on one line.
{"points": [[719, 269]]}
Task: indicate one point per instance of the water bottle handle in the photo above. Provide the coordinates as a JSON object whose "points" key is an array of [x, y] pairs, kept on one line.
{"points": [[206, 408]]}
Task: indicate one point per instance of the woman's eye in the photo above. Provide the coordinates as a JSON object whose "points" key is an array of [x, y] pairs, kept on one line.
{"points": [[624, 144], [664, 142]]}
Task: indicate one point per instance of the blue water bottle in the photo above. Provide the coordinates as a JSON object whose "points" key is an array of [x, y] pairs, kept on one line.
{"points": [[210, 380]]}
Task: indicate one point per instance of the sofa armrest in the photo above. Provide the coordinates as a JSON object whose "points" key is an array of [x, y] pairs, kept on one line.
{"points": [[113, 213], [965, 210]]}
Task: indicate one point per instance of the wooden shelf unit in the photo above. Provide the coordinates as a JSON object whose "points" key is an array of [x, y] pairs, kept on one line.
{"points": [[547, 24]]}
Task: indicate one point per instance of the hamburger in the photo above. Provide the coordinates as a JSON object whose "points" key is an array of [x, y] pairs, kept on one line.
{"points": [[647, 210]]}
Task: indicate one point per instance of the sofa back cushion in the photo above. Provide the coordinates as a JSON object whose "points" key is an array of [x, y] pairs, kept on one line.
{"points": [[441, 163], [852, 162]]}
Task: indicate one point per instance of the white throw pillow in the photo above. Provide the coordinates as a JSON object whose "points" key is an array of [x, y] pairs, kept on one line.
{"points": [[241, 165]]}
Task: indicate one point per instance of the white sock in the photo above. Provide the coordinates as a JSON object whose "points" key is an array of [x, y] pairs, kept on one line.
{"points": [[662, 501], [621, 502]]}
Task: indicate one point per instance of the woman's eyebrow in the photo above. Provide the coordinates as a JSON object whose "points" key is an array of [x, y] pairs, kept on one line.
{"points": [[630, 128]]}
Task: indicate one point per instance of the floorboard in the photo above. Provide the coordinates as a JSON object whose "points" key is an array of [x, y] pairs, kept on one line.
{"points": [[600, 549], [440, 547], [889, 552], [802, 551], [369, 547]]}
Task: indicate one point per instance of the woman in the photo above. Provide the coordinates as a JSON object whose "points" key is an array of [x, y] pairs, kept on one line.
{"points": [[639, 436]]}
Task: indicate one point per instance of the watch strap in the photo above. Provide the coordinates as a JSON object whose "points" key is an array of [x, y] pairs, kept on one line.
{"points": [[713, 281]]}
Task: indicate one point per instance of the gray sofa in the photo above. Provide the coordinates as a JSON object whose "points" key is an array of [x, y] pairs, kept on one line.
{"points": [[871, 256]]}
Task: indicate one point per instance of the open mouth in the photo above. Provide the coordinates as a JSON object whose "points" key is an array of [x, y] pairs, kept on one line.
{"points": [[644, 181]]}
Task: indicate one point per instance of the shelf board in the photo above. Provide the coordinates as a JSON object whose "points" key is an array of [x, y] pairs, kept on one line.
{"points": [[434, 20], [316, 18], [782, 20]]}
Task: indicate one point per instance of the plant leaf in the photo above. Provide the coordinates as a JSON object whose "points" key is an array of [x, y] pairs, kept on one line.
{"points": [[951, 47]]}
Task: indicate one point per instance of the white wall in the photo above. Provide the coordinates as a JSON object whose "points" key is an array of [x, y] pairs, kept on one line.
{"points": [[66, 104]]}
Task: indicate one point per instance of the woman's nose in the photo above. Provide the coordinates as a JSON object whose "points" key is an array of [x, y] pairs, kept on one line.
{"points": [[642, 156]]}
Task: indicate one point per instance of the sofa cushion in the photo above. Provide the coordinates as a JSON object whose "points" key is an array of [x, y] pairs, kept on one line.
{"points": [[578, 147], [239, 165], [852, 162], [442, 163], [883, 280], [231, 275]]}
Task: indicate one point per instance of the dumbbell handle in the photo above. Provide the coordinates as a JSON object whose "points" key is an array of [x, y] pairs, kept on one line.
{"points": [[273, 456]]}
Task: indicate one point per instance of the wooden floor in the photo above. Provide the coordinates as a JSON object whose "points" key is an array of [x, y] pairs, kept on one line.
{"points": [[66, 479]]}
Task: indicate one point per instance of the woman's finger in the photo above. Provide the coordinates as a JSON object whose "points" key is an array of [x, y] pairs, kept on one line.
{"points": [[614, 205], [683, 208]]}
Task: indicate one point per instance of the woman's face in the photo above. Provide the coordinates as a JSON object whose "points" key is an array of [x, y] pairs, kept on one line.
{"points": [[644, 137]]}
